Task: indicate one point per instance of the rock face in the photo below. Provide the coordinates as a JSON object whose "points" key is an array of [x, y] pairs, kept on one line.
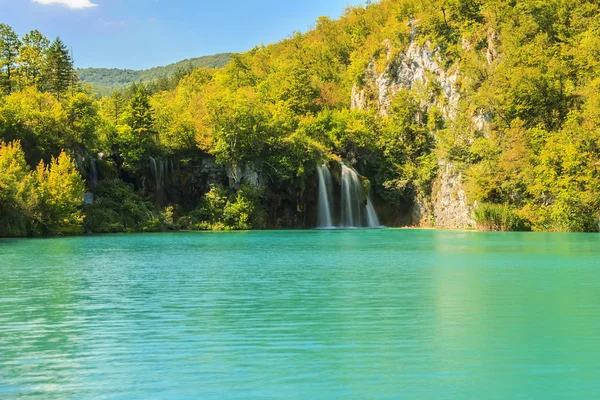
{"points": [[421, 212], [450, 207], [481, 122], [415, 69], [492, 49], [358, 101], [412, 69], [447, 207], [243, 174]]}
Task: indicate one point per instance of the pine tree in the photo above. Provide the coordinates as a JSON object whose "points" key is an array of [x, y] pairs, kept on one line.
{"points": [[9, 50], [59, 69], [136, 138], [140, 119], [117, 102]]}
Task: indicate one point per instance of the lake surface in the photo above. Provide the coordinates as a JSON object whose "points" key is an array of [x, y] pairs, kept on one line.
{"points": [[380, 314]]}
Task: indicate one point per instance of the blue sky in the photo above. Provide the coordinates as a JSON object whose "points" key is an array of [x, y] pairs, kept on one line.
{"points": [[147, 33]]}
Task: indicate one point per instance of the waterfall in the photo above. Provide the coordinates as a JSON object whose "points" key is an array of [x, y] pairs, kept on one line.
{"points": [[325, 220], [157, 168], [88, 199], [93, 172], [372, 219], [351, 198], [354, 212], [163, 172]]}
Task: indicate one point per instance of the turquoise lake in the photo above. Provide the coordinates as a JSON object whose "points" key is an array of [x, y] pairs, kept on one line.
{"points": [[362, 314]]}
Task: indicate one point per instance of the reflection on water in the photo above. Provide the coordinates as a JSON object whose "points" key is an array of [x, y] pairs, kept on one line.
{"points": [[309, 314]]}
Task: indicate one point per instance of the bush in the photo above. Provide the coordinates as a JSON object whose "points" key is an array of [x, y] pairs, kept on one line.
{"points": [[242, 213], [222, 210], [163, 222], [117, 208]]}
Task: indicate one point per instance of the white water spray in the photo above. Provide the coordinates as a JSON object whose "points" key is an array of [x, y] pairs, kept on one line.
{"points": [[372, 219], [351, 216], [325, 220]]}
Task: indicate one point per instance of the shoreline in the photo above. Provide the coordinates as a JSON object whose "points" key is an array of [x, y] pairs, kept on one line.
{"points": [[402, 228]]}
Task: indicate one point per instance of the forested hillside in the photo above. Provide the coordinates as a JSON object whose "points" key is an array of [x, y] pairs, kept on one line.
{"points": [[105, 80], [457, 113]]}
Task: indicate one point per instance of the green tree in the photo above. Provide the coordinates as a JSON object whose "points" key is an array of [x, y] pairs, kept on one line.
{"points": [[38, 120], [9, 51], [32, 57], [239, 126], [83, 119], [61, 190], [58, 69], [115, 106], [136, 139], [173, 121], [140, 114], [16, 191]]}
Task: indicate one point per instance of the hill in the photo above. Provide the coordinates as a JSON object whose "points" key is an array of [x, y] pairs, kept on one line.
{"points": [[105, 80], [453, 113]]}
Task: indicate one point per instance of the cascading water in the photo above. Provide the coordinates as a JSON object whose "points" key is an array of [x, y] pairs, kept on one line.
{"points": [[325, 221], [160, 172], [351, 198], [156, 172], [372, 219], [163, 172], [162, 169], [93, 172], [158, 168], [353, 211]]}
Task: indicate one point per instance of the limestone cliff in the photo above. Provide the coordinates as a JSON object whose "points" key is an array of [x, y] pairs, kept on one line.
{"points": [[416, 69]]}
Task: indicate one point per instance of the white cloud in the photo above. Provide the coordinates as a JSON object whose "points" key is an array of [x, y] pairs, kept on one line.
{"points": [[75, 4]]}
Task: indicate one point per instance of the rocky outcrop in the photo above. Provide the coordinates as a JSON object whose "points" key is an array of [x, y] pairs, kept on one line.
{"points": [[450, 207], [420, 69], [358, 100], [416, 69], [421, 212], [411, 70], [210, 172], [447, 207], [492, 48], [481, 122], [247, 173]]}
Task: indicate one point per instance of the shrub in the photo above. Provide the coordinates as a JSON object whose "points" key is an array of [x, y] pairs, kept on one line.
{"points": [[242, 213], [222, 210], [117, 208]]}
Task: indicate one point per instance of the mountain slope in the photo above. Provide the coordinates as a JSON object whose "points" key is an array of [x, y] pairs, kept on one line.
{"points": [[107, 79]]}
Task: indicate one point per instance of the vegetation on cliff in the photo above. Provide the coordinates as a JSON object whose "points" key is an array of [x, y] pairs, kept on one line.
{"points": [[237, 147]]}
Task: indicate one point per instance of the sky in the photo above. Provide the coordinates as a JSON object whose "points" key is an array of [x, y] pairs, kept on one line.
{"points": [[141, 34]]}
